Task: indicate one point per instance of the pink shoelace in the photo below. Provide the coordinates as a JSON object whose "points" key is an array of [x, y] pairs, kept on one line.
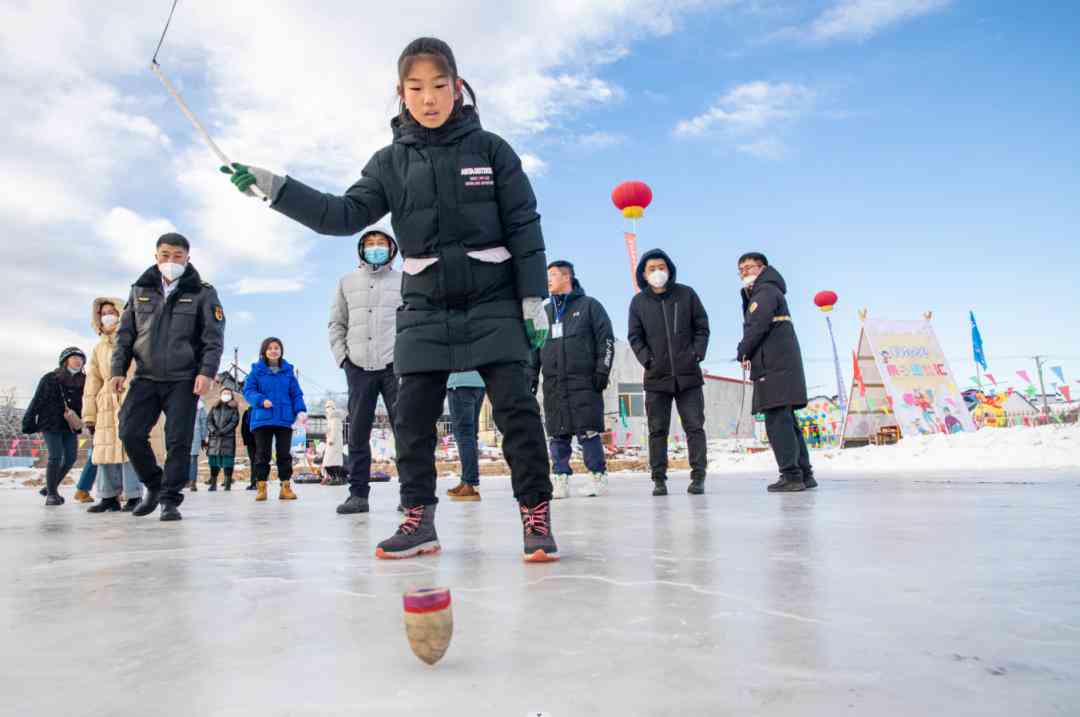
{"points": [[413, 516], [536, 519]]}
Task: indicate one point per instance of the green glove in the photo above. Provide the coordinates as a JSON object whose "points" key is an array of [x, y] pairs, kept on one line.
{"points": [[536, 321], [244, 177]]}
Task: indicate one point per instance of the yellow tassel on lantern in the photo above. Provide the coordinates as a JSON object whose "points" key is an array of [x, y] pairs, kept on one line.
{"points": [[633, 212]]}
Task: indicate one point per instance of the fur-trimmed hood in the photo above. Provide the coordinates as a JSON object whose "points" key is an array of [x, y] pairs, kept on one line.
{"points": [[95, 311]]}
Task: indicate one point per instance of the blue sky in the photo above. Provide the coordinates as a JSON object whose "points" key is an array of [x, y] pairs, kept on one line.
{"points": [[908, 154]]}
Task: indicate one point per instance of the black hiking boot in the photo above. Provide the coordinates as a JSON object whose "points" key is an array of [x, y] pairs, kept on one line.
{"points": [[353, 504], [659, 486], [129, 504], [110, 505], [696, 487], [169, 513], [540, 544], [148, 504], [787, 484], [415, 536]]}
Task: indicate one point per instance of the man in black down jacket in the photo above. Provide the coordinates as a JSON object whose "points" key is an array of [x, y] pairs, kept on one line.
{"points": [[771, 349], [669, 333], [576, 364], [174, 330]]}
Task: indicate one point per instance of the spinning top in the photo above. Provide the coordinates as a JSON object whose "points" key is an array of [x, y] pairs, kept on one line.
{"points": [[429, 622]]}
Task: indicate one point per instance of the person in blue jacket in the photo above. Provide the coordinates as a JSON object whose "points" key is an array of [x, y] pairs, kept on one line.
{"points": [[277, 404]]}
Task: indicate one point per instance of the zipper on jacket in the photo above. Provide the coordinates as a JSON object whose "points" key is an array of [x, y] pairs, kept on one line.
{"points": [[676, 315], [670, 345]]}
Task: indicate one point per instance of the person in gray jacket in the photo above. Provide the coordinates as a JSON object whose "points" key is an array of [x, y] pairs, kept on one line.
{"points": [[362, 329]]}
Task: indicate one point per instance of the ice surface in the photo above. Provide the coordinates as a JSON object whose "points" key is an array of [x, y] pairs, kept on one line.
{"points": [[875, 596]]}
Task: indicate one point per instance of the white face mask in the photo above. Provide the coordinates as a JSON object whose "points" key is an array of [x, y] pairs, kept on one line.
{"points": [[748, 281], [226, 397], [658, 279], [110, 320], [171, 271]]}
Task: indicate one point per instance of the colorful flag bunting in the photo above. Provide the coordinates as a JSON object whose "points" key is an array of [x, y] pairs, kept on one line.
{"points": [[1059, 372], [1024, 376], [977, 343]]}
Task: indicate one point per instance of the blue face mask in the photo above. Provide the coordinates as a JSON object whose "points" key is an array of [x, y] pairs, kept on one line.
{"points": [[376, 255]]}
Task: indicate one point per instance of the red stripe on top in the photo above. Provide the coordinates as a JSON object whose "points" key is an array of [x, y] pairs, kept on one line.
{"points": [[428, 600]]}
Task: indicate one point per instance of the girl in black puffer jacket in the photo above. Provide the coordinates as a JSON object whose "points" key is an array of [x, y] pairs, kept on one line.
{"points": [[58, 390], [475, 270]]}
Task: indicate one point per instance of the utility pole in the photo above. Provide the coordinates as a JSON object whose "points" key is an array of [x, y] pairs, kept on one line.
{"points": [[1042, 384]]}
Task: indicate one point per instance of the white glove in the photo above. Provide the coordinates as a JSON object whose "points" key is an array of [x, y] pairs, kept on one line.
{"points": [[244, 176]]}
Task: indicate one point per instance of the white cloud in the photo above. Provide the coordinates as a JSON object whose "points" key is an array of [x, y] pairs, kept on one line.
{"points": [[765, 148], [95, 158], [862, 19], [749, 107], [244, 317], [600, 140], [533, 165], [266, 285]]}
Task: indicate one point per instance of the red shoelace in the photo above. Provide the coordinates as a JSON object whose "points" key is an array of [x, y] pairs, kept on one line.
{"points": [[413, 516], [536, 519]]}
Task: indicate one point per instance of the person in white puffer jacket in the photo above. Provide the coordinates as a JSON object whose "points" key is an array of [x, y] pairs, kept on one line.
{"points": [[363, 326]]}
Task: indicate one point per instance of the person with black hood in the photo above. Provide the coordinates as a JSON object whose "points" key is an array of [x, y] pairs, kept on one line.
{"points": [[669, 334], [55, 412], [221, 426], [770, 350], [465, 217], [362, 329], [173, 327], [576, 367]]}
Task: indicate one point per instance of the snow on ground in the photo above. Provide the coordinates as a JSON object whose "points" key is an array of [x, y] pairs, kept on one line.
{"points": [[991, 449]]}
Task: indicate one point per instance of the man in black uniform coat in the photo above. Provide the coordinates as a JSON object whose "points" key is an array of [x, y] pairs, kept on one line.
{"points": [[770, 349], [174, 329]]}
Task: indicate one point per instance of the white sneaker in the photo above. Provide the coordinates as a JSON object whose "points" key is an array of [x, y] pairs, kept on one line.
{"points": [[596, 486], [560, 488]]}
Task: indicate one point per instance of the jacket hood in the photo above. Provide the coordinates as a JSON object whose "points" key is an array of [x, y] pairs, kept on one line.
{"points": [[461, 122], [95, 311], [576, 290], [768, 275], [380, 228], [654, 254], [189, 280]]}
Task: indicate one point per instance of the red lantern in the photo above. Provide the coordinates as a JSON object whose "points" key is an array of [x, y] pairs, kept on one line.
{"points": [[631, 198], [825, 300]]}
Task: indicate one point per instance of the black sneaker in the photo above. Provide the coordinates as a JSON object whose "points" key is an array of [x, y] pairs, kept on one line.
{"points": [[415, 536], [148, 504], [111, 505], [169, 513], [659, 486], [212, 488], [54, 499], [787, 485], [809, 481], [540, 544], [129, 504], [353, 504], [251, 486], [696, 487]]}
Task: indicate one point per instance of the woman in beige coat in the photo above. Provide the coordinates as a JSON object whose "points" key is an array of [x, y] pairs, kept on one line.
{"points": [[101, 411]]}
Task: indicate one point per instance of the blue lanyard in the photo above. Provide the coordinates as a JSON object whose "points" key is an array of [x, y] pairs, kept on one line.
{"points": [[557, 309]]}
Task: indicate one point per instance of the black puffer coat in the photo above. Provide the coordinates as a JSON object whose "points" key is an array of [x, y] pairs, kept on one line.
{"points": [[221, 429], [572, 405], [46, 409], [172, 339], [452, 190], [770, 344], [669, 332]]}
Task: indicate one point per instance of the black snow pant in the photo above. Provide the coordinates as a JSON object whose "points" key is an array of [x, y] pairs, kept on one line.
{"points": [[279, 439], [788, 443], [146, 401], [691, 406], [517, 416], [365, 387]]}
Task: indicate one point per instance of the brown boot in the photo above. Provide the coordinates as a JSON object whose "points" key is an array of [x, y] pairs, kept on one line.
{"points": [[81, 496], [260, 493], [456, 490], [466, 492], [286, 491]]}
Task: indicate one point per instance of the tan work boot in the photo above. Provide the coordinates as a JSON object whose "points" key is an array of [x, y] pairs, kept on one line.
{"points": [[456, 490], [81, 496], [260, 493], [465, 492], [286, 491]]}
